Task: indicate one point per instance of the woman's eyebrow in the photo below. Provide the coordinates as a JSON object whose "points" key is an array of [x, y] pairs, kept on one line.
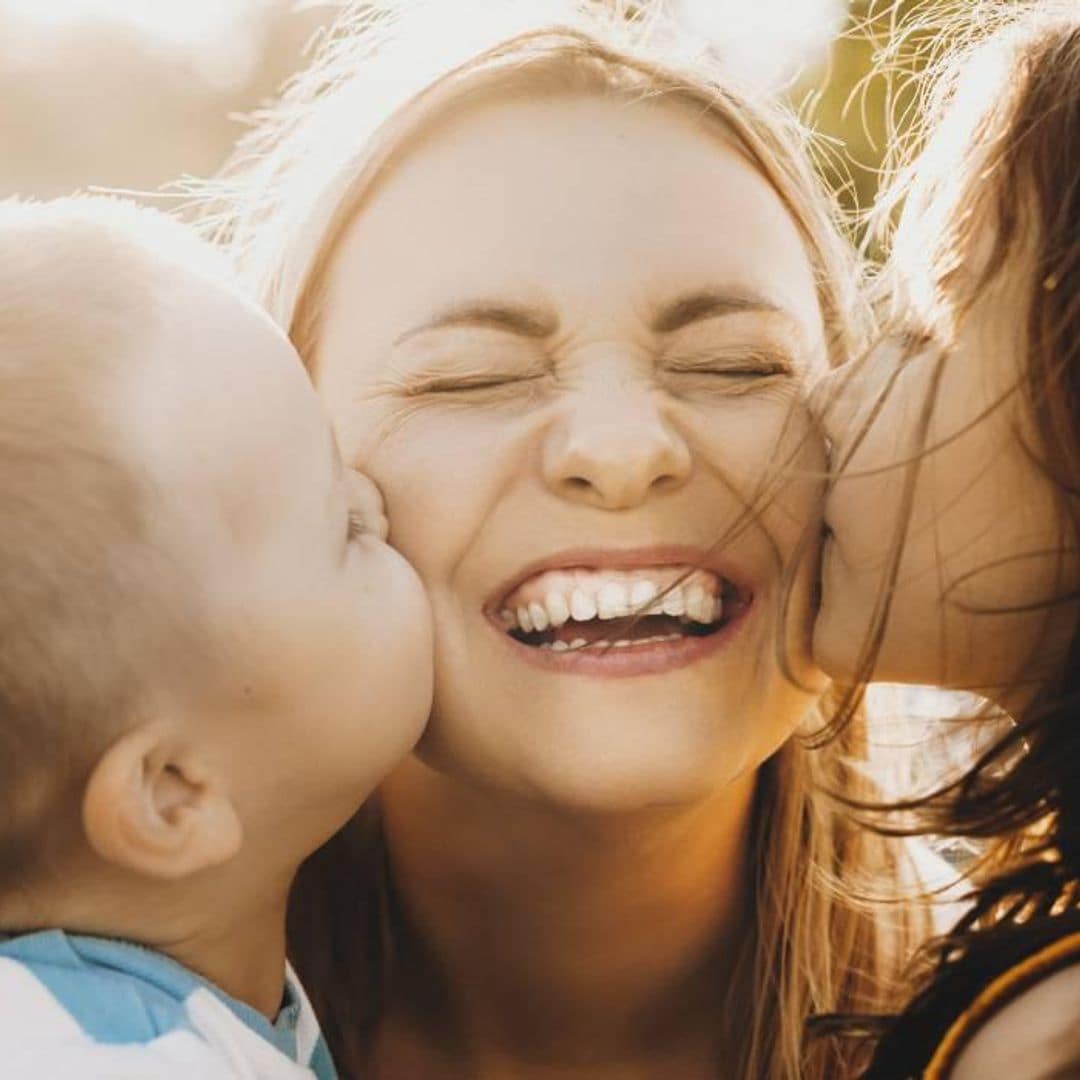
{"points": [[521, 319], [705, 304]]}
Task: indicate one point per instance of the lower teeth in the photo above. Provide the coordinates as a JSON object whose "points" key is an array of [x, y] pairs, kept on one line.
{"points": [[621, 643]]}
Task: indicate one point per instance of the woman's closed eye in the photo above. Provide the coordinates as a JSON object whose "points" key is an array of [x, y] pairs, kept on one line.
{"points": [[418, 385], [464, 379], [741, 365], [465, 361]]}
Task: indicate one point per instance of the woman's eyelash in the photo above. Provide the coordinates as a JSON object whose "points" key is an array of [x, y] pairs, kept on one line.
{"points": [[749, 368], [744, 367], [449, 384]]}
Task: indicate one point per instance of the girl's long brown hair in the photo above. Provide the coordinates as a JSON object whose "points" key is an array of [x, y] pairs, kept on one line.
{"points": [[999, 157]]}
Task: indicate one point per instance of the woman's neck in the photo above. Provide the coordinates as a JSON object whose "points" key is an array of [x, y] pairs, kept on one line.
{"points": [[558, 939]]}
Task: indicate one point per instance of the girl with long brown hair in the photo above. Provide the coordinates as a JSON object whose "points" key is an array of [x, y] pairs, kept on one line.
{"points": [[954, 519]]}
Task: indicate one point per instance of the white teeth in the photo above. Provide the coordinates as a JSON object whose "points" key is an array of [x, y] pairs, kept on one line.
{"points": [[538, 614], [642, 594], [558, 609], [582, 606], [674, 604], [582, 595], [621, 643], [698, 604], [612, 601]]}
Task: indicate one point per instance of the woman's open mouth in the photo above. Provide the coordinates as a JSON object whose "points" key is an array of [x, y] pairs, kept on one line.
{"points": [[621, 621]]}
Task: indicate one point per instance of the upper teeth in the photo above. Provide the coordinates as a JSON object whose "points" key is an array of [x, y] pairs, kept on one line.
{"points": [[553, 598]]}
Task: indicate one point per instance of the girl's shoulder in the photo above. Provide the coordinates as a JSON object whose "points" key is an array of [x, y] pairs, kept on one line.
{"points": [[1025, 1023], [963, 1002]]}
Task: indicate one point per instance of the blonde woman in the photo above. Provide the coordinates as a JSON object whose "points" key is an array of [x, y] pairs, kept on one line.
{"points": [[559, 285]]}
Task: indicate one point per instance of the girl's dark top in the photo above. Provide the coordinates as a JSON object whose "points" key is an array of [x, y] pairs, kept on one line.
{"points": [[927, 1038]]}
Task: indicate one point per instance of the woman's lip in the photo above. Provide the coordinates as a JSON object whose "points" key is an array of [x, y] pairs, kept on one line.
{"points": [[611, 662], [624, 559]]}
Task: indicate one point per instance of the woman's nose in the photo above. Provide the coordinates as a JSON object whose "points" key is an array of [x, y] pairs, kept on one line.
{"points": [[614, 449]]}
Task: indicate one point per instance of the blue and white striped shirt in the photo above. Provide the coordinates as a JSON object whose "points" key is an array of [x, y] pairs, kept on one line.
{"points": [[91, 1008]]}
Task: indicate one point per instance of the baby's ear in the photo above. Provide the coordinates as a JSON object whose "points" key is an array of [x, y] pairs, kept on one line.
{"points": [[154, 806]]}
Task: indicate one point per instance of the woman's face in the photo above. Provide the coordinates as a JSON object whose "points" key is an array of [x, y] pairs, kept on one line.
{"points": [[565, 336], [982, 558]]}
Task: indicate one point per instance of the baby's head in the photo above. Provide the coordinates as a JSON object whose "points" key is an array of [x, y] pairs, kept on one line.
{"points": [[205, 644]]}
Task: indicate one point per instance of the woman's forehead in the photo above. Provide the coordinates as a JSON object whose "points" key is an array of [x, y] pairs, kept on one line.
{"points": [[576, 196]]}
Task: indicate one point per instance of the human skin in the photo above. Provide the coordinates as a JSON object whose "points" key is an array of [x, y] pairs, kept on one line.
{"points": [[987, 550], [569, 846], [317, 669], [1034, 1037]]}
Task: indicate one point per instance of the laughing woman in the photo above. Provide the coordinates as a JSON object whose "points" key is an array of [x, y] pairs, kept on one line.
{"points": [[559, 286]]}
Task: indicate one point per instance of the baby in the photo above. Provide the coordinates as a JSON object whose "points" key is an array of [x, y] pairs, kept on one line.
{"points": [[208, 655]]}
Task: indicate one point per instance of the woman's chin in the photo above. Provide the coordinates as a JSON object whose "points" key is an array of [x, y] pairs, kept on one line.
{"points": [[621, 788], [642, 756]]}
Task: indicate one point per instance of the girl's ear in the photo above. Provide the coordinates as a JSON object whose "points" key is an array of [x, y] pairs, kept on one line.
{"points": [[157, 809]]}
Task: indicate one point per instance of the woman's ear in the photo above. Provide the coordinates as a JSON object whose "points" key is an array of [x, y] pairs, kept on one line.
{"points": [[156, 809]]}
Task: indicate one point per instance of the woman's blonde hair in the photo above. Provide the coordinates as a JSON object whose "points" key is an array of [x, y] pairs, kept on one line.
{"points": [[296, 181]]}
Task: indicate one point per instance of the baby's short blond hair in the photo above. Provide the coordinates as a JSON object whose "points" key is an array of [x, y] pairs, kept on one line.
{"points": [[88, 600]]}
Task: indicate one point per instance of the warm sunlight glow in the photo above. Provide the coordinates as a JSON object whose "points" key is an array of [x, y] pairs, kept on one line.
{"points": [[767, 41], [766, 38], [182, 23]]}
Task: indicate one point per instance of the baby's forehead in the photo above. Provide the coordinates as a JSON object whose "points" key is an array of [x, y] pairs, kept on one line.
{"points": [[216, 378], [210, 336], [90, 284]]}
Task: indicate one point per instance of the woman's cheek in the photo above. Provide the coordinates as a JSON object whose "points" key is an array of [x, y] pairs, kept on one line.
{"points": [[440, 470], [768, 452]]}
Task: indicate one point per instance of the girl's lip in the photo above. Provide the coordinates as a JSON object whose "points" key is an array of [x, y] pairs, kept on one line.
{"points": [[612, 662], [624, 559]]}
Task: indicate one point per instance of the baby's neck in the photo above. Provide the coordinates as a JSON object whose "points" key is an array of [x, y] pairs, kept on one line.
{"points": [[241, 950], [228, 926]]}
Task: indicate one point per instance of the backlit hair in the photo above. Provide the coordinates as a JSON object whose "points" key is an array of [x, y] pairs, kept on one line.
{"points": [[985, 195]]}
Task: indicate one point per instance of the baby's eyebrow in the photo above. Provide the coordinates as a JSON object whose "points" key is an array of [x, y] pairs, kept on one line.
{"points": [[524, 320]]}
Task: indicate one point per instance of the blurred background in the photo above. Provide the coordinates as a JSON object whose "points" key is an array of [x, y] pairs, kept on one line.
{"points": [[132, 94]]}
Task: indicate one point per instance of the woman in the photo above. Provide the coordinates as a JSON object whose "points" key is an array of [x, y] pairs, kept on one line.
{"points": [[559, 287], [968, 457]]}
